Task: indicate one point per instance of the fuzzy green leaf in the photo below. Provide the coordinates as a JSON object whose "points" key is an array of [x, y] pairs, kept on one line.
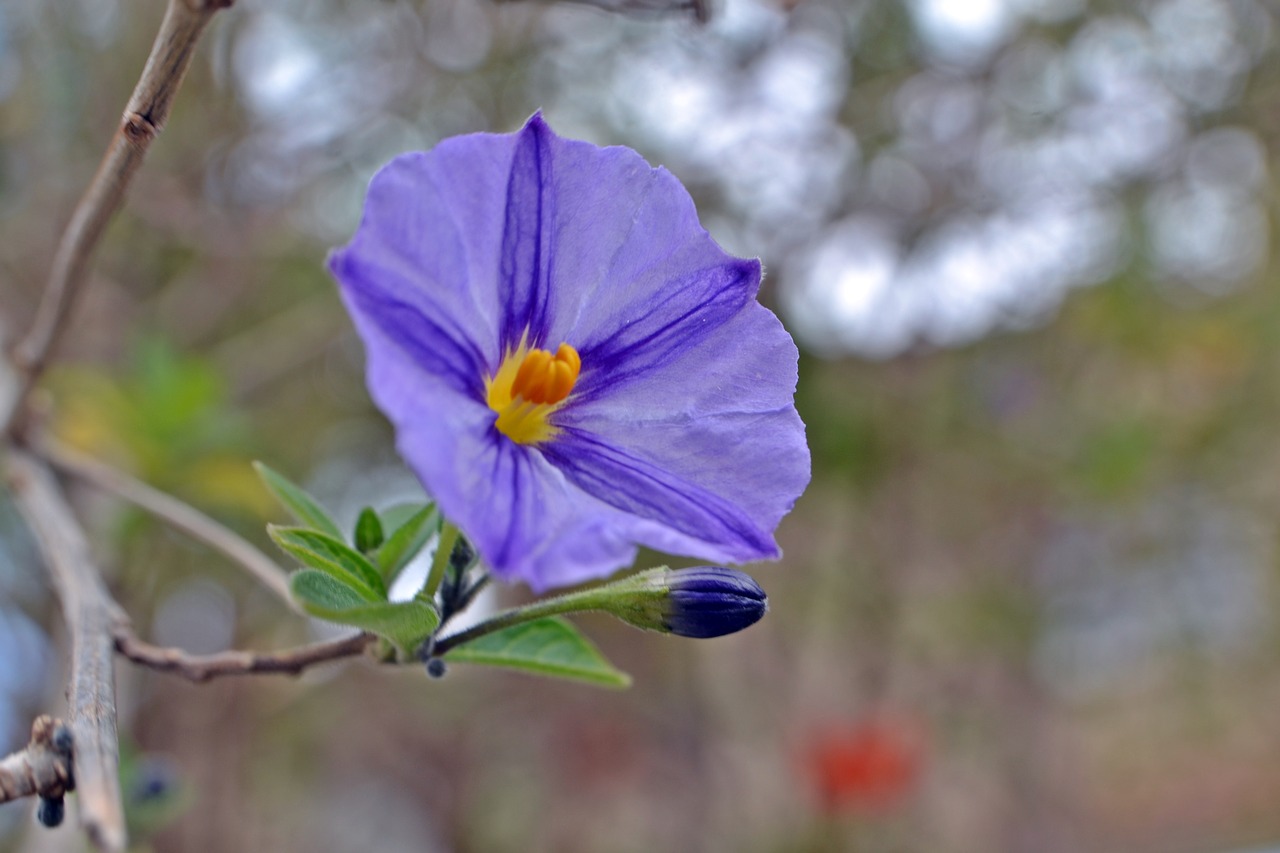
{"points": [[404, 623], [406, 539], [319, 591], [551, 647], [368, 536], [301, 505], [333, 557]]}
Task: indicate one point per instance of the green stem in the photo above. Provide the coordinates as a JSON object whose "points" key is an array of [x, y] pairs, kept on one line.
{"points": [[604, 598], [439, 562]]}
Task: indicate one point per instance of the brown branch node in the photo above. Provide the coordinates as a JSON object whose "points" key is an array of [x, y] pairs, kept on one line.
{"points": [[43, 767], [139, 129]]}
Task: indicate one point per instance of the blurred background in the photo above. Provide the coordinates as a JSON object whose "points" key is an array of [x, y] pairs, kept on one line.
{"points": [[1028, 602]]}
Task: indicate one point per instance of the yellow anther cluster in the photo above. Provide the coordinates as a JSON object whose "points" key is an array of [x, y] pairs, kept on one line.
{"points": [[547, 378], [531, 384]]}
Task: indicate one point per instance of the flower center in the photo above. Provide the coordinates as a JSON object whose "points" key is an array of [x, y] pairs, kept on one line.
{"points": [[531, 384]]}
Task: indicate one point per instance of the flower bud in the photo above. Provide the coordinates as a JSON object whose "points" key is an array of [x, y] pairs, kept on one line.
{"points": [[702, 602], [710, 601]]}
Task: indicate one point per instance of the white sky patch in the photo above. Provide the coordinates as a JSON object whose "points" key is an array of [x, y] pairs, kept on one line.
{"points": [[1211, 236], [840, 287], [854, 290], [414, 576], [273, 64], [765, 137], [962, 30]]}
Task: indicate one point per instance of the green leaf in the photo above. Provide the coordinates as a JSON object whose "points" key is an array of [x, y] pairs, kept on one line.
{"points": [[300, 504], [318, 591], [405, 623], [331, 556], [368, 531], [397, 515], [543, 647], [405, 541]]}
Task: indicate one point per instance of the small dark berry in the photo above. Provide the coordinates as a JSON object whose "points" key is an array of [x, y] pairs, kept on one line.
{"points": [[50, 812], [436, 668], [62, 739]]}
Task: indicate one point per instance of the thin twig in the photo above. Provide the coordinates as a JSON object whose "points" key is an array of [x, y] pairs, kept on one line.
{"points": [[201, 668], [144, 118], [92, 618], [43, 768], [169, 509]]}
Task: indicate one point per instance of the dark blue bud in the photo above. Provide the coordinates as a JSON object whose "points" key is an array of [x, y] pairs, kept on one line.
{"points": [[710, 601], [707, 601], [51, 811]]}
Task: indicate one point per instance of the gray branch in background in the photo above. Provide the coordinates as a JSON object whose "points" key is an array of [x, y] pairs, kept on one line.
{"points": [[169, 509], [92, 619]]}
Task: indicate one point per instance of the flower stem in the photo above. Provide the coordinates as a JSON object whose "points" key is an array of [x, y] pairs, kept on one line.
{"points": [[439, 562], [596, 598]]}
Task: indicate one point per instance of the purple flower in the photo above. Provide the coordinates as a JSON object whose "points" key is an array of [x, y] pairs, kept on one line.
{"points": [[572, 365]]}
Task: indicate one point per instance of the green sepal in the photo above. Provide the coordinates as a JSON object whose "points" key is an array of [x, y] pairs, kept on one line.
{"points": [[368, 534], [405, 623], [409, 533], [301, 505], [333, 557], [550, 647]]}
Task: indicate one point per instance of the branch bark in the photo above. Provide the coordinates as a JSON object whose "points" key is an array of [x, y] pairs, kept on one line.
{"points": [[92, 618], [144, 117], [169, 509], [202, 668], [43, 768]]}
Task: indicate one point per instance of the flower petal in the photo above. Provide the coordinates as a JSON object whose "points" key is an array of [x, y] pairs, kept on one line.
{"points": [[426, 333], [668, 322], [696, 521], [524, 283], [530, 523], [422, 242], [720, 414]]}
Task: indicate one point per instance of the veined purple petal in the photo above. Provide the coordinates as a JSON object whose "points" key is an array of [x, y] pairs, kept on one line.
{"points": [[524, 286], [419, 248], [719, 415], [529, 523], [429, 335], [710, 526], [666, 324]]}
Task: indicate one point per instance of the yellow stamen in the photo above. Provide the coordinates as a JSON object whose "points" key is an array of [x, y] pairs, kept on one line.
{"points": [[529, 386]]}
